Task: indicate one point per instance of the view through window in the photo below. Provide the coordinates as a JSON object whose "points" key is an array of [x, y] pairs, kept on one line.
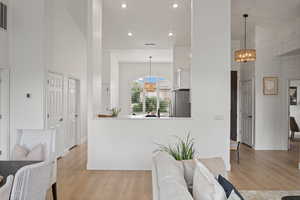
{"points": [[151, 102]]}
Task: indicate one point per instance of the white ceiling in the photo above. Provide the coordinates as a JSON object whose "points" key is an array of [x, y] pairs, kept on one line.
{"points": [[263, 12], [150, 21]]}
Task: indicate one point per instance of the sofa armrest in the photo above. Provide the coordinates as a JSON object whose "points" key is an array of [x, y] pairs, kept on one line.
{"points": [[155, 187]]}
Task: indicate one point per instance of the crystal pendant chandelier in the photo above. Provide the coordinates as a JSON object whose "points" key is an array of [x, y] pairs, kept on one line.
{"points": [[149, 84], [245, 55]]}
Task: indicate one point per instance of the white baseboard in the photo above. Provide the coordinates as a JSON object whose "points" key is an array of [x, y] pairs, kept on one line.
{"points": [[270, 148]]}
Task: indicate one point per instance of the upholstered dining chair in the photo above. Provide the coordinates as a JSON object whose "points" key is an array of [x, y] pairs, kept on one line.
{"points": [[32, 182], [6, 189], [31, 138]]}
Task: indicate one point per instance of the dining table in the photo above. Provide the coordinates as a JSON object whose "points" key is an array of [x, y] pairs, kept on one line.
{"points": [[11, 167]]}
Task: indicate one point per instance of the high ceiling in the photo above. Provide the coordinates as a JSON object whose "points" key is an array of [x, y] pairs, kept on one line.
{"points": [[263, 12], [150, 21]]}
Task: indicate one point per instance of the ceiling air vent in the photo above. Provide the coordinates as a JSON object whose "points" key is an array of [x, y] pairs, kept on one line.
{"points": [[150, 44], [3, 16]]}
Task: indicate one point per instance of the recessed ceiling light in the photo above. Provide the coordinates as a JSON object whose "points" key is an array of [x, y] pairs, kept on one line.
{"points": [[175, 5], [170, 34], [129, 34], [124, 5]]}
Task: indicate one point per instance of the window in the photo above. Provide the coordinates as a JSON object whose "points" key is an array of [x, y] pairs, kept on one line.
{"points": [[150, 102]]}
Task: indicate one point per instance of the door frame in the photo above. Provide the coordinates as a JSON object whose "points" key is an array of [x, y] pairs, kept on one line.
{"points": [[6, 117], [78, 107], [288, 113], [46, 92], [252, 80], [59, 154]]}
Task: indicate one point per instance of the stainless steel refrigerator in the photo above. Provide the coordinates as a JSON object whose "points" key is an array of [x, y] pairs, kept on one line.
{"points": [[181, 103]]}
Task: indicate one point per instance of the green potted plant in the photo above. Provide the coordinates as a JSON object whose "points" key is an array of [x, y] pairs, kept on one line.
{"points": [[183, 149], [115, 112]]}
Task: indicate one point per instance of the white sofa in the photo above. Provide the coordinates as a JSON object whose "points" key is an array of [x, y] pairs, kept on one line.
{"points": [[172, 180]]}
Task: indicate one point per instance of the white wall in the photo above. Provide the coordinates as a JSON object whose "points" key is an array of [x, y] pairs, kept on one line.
{"points": [[182, 67], [67, 50], [114, 81], [268, 109], [295, 109], [128, 144], [28, 63], [46, 36], [130, 72], [94, 57], [106, 76], [271, 121]]}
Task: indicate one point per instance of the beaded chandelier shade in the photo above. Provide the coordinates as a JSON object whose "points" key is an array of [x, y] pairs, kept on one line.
{"points": [[150, 86], [245, 55]]}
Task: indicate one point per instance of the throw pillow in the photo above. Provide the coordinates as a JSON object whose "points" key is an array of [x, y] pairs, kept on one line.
{"points": [[205, 186], [234, 196], [19, 152], [37, 153], [228, 187]]}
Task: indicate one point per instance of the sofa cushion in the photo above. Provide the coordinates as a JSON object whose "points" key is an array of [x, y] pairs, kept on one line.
{"points": [[168, 168], [189, 168], [172, 190], [205, 186]]}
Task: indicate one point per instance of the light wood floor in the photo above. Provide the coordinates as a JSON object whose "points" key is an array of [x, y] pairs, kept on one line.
{"points": [[258, 170]]}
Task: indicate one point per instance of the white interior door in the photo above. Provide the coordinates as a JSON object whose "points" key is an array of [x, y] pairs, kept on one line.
{"points": [[73, 105], [55, 109], [246, 113], [4, 114]]}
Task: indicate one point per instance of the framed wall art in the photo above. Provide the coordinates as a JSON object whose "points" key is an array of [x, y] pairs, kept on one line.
{"points": [[293, 96], [270, 85]]}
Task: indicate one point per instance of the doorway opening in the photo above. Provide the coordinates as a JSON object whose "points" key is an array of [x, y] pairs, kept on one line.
{"points": [[294, 114], [234, 106]]}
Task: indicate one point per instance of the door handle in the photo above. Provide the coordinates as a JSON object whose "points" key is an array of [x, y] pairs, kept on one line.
{"points": [[61, 119], [250, 116], [76, 115]]}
